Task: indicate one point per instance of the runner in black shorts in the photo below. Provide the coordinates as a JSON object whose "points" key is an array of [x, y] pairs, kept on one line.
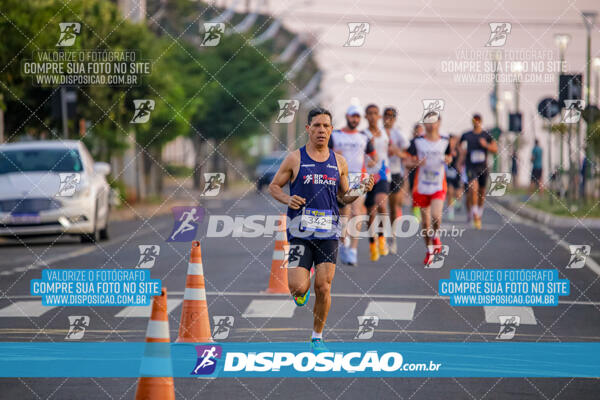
{"points": [[318, 181], [316, 252], [476, 145], [377, 199]]}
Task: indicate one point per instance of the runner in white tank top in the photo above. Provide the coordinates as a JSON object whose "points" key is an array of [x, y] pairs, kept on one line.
{"points": [[430, 153]]}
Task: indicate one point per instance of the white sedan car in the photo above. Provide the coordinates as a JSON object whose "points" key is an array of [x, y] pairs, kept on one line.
{"points": [[53, 188]]}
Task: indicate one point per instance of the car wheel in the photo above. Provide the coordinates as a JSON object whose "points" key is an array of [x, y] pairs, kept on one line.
{"points": [[104, 231], [94, 236]]}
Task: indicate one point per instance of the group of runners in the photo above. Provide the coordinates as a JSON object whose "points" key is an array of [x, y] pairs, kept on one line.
{"points": [[347, 172]]}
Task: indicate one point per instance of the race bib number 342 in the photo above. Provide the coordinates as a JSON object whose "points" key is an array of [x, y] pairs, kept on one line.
{"points": [[316, 220]]}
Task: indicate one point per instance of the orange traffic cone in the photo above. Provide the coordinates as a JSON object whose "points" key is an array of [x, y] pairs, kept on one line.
{"points": [[278, 281], [151, 387], [194, 325]]}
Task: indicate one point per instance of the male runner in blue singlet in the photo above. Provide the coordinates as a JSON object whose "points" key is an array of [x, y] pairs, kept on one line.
{"points": [[318, 179]]}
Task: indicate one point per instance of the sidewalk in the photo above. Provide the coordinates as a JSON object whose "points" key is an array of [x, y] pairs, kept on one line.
{"points": [[175, 193], [523, 210]]}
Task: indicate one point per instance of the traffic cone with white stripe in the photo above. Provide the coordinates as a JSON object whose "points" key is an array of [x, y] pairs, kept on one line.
{"points": [[194, 325], [278, 281], [157, 358]]}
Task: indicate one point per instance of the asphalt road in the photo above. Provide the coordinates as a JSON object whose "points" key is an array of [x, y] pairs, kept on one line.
{"points": [[397, 288]]}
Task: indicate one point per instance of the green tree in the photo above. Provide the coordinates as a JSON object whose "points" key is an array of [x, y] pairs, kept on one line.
{"points": [[241, 96]]}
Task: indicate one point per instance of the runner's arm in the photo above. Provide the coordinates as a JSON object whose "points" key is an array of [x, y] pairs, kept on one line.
{"points": [[399, 149], [371, 153], [281, 178], [492, 147], [448, 155], [462, 152], [411, 160]]}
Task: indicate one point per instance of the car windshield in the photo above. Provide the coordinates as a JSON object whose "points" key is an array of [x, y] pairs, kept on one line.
{"points": [[270, 161], [56, 160]]}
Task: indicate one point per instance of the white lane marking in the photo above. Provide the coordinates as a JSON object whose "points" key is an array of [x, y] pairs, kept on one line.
{"points": [[270, 309], [145, 311], [589, 261], [526, 314], [394, 310], [32, 308]]}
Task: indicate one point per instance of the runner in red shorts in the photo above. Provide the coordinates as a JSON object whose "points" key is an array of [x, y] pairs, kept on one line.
{"points": [[429, 153]]}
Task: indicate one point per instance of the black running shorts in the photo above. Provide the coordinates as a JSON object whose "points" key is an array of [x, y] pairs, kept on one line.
{"points": [[305, 253]]}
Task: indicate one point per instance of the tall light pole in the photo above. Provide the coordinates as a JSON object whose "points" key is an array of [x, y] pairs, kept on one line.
{"points": [[562, 42], [589, 17], [596, 64]]}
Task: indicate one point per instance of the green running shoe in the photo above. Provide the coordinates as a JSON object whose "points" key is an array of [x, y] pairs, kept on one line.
{"points": [[417, 213], [317, 345], [301, 300]]}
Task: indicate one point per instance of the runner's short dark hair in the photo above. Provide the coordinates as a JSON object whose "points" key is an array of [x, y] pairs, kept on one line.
{"points": [[318, 111], [390, 109], [370, 106]]}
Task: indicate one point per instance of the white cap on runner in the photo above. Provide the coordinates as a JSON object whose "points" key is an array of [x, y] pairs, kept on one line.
{"points": [[353, 110]]}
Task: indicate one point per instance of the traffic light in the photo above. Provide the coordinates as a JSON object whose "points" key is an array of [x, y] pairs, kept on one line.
{"points": [[514, 122], [569, 88]]}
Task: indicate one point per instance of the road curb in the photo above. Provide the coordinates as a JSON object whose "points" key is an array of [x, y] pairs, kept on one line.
{"points": [[525, 211]]}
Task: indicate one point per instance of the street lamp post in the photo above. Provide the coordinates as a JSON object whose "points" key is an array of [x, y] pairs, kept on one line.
{"points": [[589, 17], [517, 69], [562, 42]]}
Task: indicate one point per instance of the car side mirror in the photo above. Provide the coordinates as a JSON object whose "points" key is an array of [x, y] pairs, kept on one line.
{"points": [[102, 168]]}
